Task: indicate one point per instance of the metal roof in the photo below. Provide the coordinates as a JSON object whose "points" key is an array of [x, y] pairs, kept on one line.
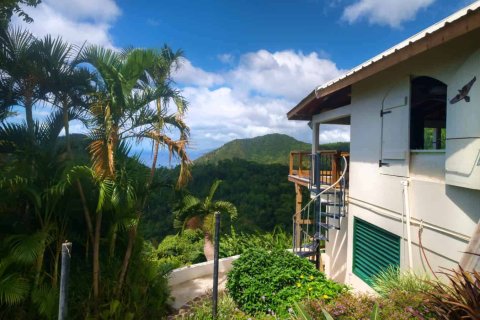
{"points": [[388, 57]]}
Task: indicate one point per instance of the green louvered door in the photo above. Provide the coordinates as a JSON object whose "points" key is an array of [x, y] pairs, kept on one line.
{"points": [[374, 249]]}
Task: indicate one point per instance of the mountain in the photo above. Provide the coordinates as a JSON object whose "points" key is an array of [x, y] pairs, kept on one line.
{"points": [[268, 149]]}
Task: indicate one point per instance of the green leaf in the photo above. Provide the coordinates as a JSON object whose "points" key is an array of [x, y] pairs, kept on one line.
{"points": [[375, 312], [327, 315]]}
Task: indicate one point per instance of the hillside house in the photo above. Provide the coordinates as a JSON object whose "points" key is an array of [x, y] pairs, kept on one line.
{"points": [[410, 195]]}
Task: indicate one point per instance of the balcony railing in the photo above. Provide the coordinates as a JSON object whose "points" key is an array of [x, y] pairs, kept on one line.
{"points": [[315, 170]]}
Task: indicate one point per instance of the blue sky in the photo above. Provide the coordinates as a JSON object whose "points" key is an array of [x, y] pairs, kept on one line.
{"points": [[246, 62]]}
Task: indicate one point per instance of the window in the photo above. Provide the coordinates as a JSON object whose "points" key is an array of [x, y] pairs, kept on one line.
{"points": [[374, 249], [428, 114]]}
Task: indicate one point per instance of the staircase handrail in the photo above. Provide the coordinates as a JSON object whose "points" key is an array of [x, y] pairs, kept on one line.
{"points": [[326, 189]]}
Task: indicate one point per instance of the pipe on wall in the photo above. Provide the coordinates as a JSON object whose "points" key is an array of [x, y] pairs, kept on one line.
{"points": [[408, 222]]}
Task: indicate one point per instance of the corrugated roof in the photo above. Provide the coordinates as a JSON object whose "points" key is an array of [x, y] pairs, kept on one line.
{"points": [[459, 23], [422, 34]]}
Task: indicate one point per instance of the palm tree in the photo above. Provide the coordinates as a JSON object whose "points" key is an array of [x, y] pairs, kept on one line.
{"points": [[195, 213], [120, 110], [21, 74]]}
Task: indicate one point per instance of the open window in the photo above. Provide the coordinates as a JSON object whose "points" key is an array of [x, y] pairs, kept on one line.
{"points": [[428, 114]]}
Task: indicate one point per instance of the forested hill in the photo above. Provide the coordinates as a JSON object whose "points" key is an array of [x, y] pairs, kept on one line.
{"points": [[269, 149]]}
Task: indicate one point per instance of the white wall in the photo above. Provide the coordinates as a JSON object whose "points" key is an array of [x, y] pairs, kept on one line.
{"points": [[447, 213]]}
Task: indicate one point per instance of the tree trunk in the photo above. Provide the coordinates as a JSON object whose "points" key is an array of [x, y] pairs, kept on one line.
{"points": [[86, 211], [58, 250], [208, 248], [96, 257], [29, 114], [132, 234]]}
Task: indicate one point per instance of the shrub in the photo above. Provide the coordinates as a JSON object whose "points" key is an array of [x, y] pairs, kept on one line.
{"points": [[398, 305], [460, 299], [264, 281], [238, 243], [202, 310], [182, 249]]}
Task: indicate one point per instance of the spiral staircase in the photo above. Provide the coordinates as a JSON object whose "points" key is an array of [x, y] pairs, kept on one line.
{"points": [[325, 209]]}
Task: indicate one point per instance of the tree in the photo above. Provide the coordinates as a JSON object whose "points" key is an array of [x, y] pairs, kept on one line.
{"points": [[194, 213], [10, 7]]}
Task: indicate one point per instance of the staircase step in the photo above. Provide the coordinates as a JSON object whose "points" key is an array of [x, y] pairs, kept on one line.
{"points": [[305, 254], [332, 215], [311, 246], [333, 204], [332, 192], [318, 236], [328, 226]]}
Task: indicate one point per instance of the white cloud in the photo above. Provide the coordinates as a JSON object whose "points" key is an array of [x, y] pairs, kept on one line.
{"points": [[384, 12], [190, 75], [75, 20], [253, 96], [285, 74], [226, 58]]}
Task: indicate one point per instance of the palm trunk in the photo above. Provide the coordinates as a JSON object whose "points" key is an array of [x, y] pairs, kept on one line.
{"points": [[29, 115], [58, 250], [96, 256], [86, 211], [132, 234], [208, 248]]}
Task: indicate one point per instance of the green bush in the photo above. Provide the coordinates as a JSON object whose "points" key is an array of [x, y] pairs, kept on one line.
{"points": [[237, 243], [399, 305], [264, 281], [202, 310], [182, 249]]}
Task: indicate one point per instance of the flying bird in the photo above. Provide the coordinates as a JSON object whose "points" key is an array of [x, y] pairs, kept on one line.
{"points": [[463, 93]]}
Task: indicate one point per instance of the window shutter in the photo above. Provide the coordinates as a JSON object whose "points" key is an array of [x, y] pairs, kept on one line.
{"points": [[462, 158], [395, 117], [374, 249]]}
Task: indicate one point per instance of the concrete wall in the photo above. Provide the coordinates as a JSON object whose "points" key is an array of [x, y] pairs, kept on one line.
{"points": [[200, 270], [448, 214]]}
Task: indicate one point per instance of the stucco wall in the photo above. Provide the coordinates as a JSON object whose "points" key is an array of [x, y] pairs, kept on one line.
{"points": [[448, 214]]}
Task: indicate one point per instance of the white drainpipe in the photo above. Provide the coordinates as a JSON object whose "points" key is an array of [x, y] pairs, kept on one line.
{"points": [[408, 223]]}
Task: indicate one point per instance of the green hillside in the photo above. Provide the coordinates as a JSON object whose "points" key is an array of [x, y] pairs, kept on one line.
{"points": [[269, 149]]}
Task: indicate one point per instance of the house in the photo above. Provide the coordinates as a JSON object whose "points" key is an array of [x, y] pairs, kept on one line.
{"points": [[410, 195]]}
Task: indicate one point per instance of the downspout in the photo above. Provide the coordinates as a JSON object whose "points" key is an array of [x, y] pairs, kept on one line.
{"points": [[408, 223]]}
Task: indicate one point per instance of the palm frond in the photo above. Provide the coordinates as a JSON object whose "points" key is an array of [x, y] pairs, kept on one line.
{"points": [[13, 289], [26, 248], [226, 207]]}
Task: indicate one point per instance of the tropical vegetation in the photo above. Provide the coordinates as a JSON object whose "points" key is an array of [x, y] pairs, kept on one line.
{"points": [[194, 213], [52, 191]]}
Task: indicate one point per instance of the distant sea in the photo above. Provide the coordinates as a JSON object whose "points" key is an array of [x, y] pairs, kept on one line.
{"points": [[163, 159]]}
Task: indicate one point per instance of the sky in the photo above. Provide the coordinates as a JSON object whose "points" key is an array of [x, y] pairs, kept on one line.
{"points": [[246, 63]]}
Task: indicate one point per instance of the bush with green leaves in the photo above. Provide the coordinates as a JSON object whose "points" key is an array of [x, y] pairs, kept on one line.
{"points": [[264, 281], [182, 249], [237, 243]]}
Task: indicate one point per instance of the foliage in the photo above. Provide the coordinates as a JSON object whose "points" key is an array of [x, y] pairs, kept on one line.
{"points": [[181, 249], [393, 278], [397, 305], [459, 298], [53, 189], [202, 310], [264, 281], [237, 243], [263, 196], [10, 7]]}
